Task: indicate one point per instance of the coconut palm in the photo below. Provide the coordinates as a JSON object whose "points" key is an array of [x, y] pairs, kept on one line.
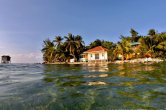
{"points": [[126, 46], [152, 32], [79, 41], [118, 51], [134, 35], [95, 43], [70, 45], [162, 46], [58, 41], [123, 48], [59, 48], [143, 48], [48, 51], [80, 45]]}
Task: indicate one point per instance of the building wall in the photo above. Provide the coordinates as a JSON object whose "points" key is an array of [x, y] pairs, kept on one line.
{"points": [[102, 56]]}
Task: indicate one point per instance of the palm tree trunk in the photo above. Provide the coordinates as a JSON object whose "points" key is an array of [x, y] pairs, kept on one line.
{"points": [[122, 57]]}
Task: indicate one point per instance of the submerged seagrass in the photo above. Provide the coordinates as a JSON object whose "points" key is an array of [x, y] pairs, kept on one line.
{"points": [[82, 87]]}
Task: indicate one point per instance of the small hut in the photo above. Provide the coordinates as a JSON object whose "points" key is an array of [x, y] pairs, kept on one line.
{"points": [[6, 59]]}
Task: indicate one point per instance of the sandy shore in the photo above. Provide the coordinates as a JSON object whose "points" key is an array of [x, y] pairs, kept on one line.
{"points": [[139, 60]]}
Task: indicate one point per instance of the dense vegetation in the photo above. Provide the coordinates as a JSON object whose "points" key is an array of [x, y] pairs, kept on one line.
{"points": [[57, 50], [151, 45]]}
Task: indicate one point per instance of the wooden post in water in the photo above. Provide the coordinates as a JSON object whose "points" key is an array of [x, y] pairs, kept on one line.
{"points": [[6, 59]]}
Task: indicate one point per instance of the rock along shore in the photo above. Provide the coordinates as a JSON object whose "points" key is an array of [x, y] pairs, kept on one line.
{"points": [[139, 60]]}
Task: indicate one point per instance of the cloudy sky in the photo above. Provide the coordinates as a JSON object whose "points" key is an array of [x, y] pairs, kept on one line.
{"points": [[24, 24]]}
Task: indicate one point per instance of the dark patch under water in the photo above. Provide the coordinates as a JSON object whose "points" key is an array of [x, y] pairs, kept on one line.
{"points": [[82, 87]]}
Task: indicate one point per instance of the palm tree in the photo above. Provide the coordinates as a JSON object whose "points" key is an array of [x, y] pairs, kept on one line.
{"points": [[58, 41], [118, 51], [59, 48], [134, 35], [95, 43], [126, 46], [162, 47], [123, 48], [80, 45], [70, 44], [143, 48], [48, 51], [152, 32]]}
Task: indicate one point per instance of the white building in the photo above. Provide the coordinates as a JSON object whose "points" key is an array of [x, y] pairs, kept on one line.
{"points": [[96, 54]]}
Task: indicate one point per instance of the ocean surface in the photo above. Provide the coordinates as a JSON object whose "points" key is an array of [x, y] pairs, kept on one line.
{"points": [[82, 87]]}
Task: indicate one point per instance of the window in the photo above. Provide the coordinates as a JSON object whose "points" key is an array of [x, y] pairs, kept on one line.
{"points": [[91, 55], [96, 56], [102, 54]]}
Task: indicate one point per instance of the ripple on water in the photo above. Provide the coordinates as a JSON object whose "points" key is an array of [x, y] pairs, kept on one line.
{"points": [[49, 87], [12, 75]]}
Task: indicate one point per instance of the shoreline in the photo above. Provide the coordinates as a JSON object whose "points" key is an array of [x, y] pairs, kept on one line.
{"points": [[139, 60]]}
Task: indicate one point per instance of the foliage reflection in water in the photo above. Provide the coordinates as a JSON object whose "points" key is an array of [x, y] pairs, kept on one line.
{"points": [[85, 87]]}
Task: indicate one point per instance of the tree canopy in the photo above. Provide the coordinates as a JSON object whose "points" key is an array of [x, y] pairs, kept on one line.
{"points": [[61, 49]]}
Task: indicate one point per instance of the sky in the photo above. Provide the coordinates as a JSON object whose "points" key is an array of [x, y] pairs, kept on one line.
{"points": [[24, 24]]}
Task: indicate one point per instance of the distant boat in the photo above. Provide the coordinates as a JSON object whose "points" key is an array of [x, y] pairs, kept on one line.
{"points": [[5, 59]]}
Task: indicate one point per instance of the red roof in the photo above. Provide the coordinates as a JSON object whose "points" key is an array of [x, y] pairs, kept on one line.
{"points": [[96, 49]]}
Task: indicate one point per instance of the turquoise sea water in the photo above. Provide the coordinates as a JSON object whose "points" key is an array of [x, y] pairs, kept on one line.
{"points": [[82, 87]]}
